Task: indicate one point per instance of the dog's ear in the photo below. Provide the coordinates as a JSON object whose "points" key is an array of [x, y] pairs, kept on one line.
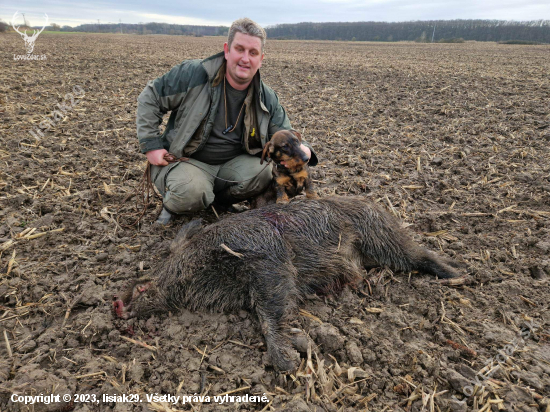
{"points": [[268, 146], [297, 134]]}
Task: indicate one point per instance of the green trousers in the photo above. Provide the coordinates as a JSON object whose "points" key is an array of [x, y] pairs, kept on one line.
{"points": [[192, 186]]}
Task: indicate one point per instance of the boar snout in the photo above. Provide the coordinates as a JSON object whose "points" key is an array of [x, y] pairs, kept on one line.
{"points": [[122, 306], [118, 308]]}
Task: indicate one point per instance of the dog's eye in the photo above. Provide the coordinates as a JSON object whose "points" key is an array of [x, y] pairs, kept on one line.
{"points": [[285, 146]]}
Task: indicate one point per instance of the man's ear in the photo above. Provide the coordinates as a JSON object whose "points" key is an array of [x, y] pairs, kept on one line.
{"points": [[226, 49], [297, 134], [267, 147]]}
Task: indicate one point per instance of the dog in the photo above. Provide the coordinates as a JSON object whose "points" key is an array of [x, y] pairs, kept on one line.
{"points": [[290, 170]]}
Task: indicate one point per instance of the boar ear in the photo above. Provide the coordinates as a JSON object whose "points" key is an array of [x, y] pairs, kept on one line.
{"points": [[267, 146], [297, 134], [186, 232], [190, 229]]}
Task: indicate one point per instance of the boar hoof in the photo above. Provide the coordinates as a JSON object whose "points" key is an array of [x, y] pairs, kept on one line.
{"points": [[285, 361], [299, 340]]}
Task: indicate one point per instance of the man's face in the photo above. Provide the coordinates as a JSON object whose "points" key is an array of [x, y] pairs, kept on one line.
{"points": [[243, 59]]}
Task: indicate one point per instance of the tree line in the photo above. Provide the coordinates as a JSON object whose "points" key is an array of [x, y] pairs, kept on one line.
{"points": [[424, 31], [420, 31], [150, 28], [139, 28]]}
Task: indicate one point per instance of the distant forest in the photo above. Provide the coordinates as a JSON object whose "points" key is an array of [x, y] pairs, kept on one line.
{"points": [[420, 31], [140, 28], [480, 30], [150, 28]]}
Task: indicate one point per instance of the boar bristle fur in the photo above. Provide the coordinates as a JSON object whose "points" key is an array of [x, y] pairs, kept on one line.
{"points": [[286, 251]]}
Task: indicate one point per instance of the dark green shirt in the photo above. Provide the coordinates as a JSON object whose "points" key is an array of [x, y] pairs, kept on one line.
{"points": [[219, 147]]}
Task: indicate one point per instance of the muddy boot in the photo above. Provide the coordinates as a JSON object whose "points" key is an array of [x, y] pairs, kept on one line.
{"points": [[225, 202], [165, 217]]}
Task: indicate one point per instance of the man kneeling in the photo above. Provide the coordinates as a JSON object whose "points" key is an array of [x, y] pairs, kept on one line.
{"points": [[222, 115]]}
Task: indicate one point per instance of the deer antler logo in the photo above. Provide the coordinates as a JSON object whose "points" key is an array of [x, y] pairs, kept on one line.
{"points": [[29, 41]]}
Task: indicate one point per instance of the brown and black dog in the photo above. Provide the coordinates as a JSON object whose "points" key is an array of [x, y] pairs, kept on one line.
{"points": [[290, 170]]}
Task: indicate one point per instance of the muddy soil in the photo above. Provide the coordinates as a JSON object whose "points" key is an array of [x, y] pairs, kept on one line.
{"points": [[452, 138]]}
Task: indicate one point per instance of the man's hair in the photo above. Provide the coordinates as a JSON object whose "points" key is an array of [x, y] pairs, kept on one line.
{"points": [[246, 26]]}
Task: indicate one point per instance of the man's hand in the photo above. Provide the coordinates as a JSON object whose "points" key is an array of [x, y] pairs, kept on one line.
{"points": [[156, 157], [306, 150]]}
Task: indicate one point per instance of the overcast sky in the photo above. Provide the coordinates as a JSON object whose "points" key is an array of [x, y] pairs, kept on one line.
{"points": [[223, 12]]}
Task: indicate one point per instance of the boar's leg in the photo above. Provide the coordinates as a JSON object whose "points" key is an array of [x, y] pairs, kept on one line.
{"points": [[405, 255], [384, 243], [411, 256], [274, 297]]}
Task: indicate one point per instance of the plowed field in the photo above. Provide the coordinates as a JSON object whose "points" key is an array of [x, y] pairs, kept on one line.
{"points": [[452, 138]]}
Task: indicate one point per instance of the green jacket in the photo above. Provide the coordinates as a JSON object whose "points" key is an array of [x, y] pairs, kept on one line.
{"points": [[192, 91]]}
